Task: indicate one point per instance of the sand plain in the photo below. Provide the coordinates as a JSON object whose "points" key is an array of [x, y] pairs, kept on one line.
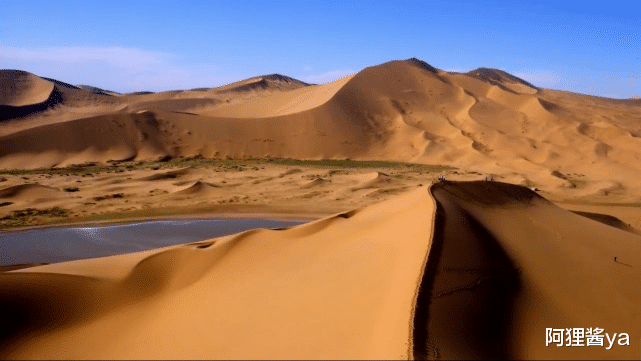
{"points": [[397, 264]]}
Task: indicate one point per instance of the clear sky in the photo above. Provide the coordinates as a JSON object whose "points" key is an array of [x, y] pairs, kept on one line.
{"points": [[124, 46]]}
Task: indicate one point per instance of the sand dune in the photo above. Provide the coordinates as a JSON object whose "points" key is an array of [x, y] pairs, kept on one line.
{"points": [[173, 174], [504, 80], [335, 288], [486, 121], [198, 188], [23, 94], [609, 220], [20, 88], [372, 181], [458, 270], [291, 102], [315, 183], [519, 265], [28, 192]]}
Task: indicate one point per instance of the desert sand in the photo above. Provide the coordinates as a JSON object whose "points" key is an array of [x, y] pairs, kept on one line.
{"points": [[396, 265], [454, 271]]}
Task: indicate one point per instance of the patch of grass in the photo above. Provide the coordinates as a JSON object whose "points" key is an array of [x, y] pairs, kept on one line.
{"points": [[5, 204], [109, 196], [334, 172], [3, 179], [91, 169], [347, 164], [289, 172], [71, 189], [32, 216]]}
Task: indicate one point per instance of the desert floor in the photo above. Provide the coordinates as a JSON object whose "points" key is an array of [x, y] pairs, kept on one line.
{"points": [[282, 188]]}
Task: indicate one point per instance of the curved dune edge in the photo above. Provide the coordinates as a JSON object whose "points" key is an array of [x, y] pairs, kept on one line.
{"points": [[341, 287], [505, 264], [20, 88]]}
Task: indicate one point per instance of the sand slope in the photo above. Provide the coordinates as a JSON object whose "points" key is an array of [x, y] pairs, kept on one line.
{"points": [[506, 264], [28, 192], [341, 287], [19, 88]]}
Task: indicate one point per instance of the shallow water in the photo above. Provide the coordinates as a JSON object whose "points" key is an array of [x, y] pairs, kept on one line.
{"points": [[61, 244]]}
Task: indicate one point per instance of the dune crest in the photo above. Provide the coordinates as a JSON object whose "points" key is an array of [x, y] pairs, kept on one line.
{"points": [[20, 88], [198, 188], [506, 264]]}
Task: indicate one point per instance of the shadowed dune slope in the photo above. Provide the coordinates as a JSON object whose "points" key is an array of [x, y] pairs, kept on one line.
{"points": [[342, 287], [22, 93], [19, 88], [506, 264], [28, 191], [609, 220], [25, 95]]}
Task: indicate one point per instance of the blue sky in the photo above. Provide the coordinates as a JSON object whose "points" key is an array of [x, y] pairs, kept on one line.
{"points": [[585, 47]]}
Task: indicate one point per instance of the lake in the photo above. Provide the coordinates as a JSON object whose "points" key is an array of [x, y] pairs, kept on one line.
{"points": [[59, 244]]}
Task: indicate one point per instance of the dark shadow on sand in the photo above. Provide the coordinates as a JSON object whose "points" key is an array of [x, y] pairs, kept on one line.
{"points": [[466, 301]]}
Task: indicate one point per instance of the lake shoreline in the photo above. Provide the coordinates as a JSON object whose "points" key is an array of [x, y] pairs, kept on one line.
{"points": [[190, 216], [81, 241]]}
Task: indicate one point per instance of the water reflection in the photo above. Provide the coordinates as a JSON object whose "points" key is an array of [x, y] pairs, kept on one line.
{"points": [[51, 245]]}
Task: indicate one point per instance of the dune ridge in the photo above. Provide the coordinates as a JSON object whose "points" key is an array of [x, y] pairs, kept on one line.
{"points": [[199, 292], [506, 264]]}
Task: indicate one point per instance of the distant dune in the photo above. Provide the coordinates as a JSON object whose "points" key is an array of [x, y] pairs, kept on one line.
{"points": [[485, 120], [28, 191], [97, 90], [20, 88], [504, 80]]}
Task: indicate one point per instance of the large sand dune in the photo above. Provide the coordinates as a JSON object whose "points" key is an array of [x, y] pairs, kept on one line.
{"points": [[455, 270], [485, 120], [340, 287], [19, 88], [506, 264]]}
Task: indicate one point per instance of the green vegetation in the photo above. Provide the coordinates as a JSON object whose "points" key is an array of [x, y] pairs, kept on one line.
{"points": [[355, 164], [32, 215], [90, 169], [109, 196]]}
